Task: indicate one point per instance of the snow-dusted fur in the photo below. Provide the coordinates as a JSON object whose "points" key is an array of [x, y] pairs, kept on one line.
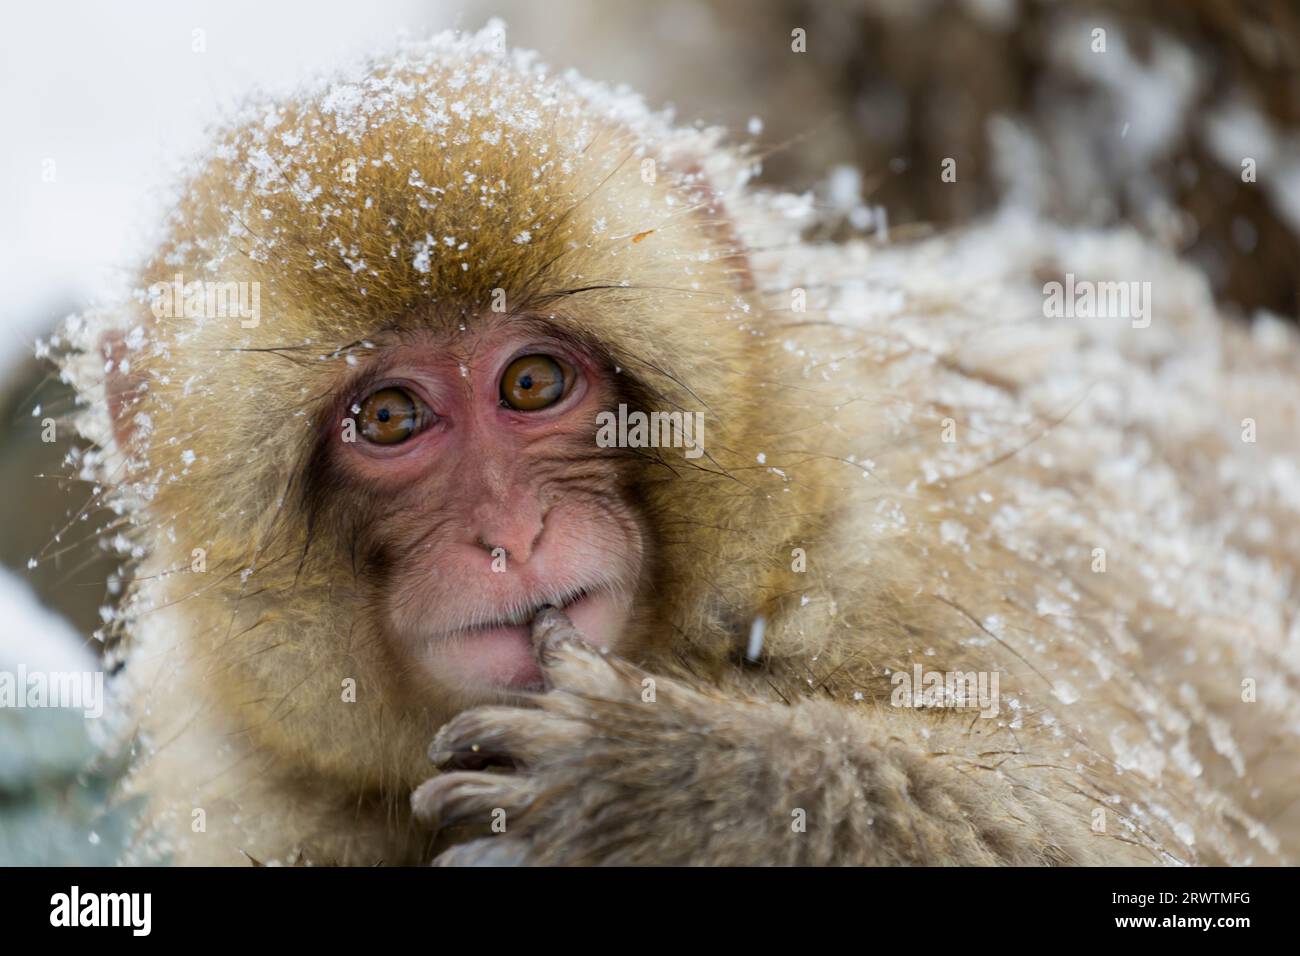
{"points": [[907, 464]]}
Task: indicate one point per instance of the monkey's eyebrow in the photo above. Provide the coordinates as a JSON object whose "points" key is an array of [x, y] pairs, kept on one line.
{"points": [[357, 387], [559, 331]]}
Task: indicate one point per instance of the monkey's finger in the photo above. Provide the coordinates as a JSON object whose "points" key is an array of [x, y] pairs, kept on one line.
{"points": [[469, 797], [570, 662], [554, 634], [504, 733], [550, 626]]}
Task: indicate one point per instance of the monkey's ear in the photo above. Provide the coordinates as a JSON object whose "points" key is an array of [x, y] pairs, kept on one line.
{"points": [[719, 222], [737, 257], [122, 387]]}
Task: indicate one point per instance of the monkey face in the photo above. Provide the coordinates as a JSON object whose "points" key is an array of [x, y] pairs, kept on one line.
{"points": [[482, 496], [387, 476]]}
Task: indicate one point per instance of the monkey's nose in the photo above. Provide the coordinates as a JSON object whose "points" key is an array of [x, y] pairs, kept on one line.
{"points": [[507, 528], [514, 544]]}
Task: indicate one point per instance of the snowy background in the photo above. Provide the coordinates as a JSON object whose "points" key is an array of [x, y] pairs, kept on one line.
{"points": [[115, 95]]}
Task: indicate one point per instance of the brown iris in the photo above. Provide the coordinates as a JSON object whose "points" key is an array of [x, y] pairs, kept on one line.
{"points": [[534, 382], [389, 416]]}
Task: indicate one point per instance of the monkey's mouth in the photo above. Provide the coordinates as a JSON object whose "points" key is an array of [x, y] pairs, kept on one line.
{"points": [[523, 616], [498, 653]]}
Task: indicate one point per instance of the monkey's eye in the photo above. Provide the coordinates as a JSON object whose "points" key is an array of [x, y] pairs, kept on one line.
{"points": [[389, 416], [534, 382]]}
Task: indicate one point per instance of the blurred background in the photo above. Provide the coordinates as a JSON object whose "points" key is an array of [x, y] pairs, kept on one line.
{"points": [[101, 104]]}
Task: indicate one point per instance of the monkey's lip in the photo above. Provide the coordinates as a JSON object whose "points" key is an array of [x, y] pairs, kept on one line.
{"points": [[500, 654], [523, 615]]}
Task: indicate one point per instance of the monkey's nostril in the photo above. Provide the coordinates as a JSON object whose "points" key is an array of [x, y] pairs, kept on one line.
{"points": [[515, 541]]}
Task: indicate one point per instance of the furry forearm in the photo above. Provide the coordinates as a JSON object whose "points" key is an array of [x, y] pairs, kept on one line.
{"points": [[870, 797]]}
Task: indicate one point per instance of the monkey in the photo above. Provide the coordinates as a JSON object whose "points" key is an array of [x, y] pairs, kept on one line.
{"points": [[948, 581]]}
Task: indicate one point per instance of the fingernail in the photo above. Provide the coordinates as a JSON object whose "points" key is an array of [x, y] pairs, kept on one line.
{"points": [[548, 620]]}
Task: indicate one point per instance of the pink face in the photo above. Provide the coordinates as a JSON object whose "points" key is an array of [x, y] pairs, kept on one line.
{"points": [[482, 496]]}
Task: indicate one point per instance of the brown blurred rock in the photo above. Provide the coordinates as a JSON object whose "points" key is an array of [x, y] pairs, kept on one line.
{"points": [[72, 572]]}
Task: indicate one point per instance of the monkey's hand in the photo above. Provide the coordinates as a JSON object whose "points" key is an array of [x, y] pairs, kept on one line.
{"points": [[617, 767]]}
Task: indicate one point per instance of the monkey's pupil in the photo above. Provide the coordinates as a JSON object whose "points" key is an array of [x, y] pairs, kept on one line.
{"points": [[384, 415], [526, 382]]}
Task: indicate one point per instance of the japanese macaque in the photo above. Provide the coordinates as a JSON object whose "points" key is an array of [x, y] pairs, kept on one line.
{"points": [[883, 564]]}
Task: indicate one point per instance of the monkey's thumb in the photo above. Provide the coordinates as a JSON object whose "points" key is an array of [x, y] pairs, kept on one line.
{"points": [[550, 626]]}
